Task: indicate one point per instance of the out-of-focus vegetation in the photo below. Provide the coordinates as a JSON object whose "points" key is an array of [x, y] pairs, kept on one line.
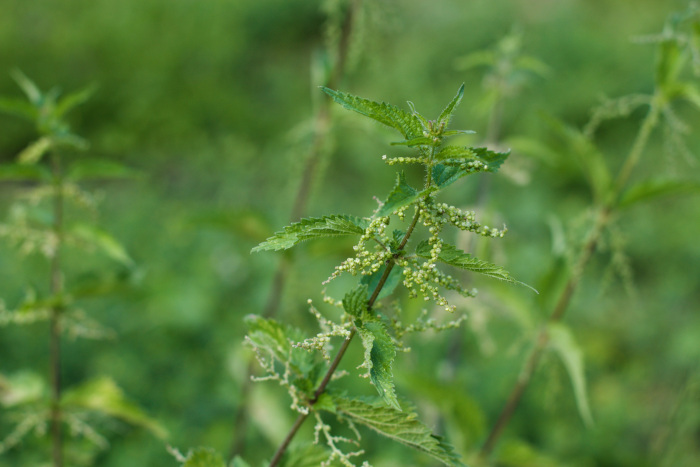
{"points": [[213, 103]]}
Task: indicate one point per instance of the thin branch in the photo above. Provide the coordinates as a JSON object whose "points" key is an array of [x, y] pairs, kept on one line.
{"points": [[54, 326], [604, 215]]}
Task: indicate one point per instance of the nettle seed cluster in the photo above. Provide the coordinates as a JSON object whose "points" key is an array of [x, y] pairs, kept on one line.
{"points": [[421, 277]]}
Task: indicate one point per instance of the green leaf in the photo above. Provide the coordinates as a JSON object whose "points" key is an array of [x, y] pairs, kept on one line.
{"points": [[419, 141], [239, 462], [588, 156], [35, 151], [380, 352], [402, 195], [28, 87], [269, 335], [408, 124], [446, 114], [403, 427], [562, 342], [355, 301], [669, 63], [21, 388], [208, 457], [476, 59], [455, 257], [22, 172], [103, 395], [451, 170], [653, 189], [19, 108], [93, 169], [492, 159], [72, 100], [372, 281], [455, 152], [66, 139], [104, 241], [458, 132], [313, 228]]}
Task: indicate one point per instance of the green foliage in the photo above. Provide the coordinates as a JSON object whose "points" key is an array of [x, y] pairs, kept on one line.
{"points": [[104, 396], [384, 268], [307, 229], [563, 343], [402, 427], [649, 190], [380, 352], [40, 222], [401, 196], [409, 125], [451, 255]]}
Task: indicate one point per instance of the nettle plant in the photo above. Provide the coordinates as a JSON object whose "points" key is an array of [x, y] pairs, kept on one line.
{"points": [[53, 215], [385, 257]]}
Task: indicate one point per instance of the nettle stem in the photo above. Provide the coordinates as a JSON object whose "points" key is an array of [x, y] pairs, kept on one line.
{"points": [[56, 289], [341, 352], [604, 213]]}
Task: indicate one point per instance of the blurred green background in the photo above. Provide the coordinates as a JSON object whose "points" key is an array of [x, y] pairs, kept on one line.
{"points": [[213, 102]]}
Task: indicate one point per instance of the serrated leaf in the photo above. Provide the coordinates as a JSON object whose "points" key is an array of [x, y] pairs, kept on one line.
{"points": [[325, 402], [403, 427], [458, 132], [455, 152], [103, 395], [99, 170], [355, 301], [306, 455], [380, 352], [313, 228], [408, 124], [402, 195], [276, 338], [22, 172], [208, 457], [451, 170], [563, 343], [372, 281], [419, 141], [35, 151], [446, 115], [453, 256], [652, 189], [104, 241]]}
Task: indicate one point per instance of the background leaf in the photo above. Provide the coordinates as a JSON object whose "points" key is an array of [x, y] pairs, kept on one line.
{"points": [[104, 396], [563, 343]]}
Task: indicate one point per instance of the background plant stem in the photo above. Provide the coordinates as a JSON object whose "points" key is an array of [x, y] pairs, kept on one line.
{"points": [[322, 126], [56, 309], [603, 216]]}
